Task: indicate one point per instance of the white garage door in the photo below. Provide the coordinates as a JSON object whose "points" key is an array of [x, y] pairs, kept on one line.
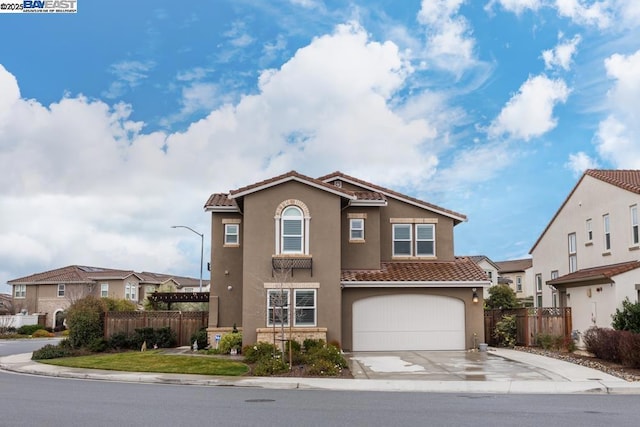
{"points": [[408, 322]]}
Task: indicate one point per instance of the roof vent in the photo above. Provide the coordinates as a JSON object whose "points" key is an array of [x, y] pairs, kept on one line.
{"points": [[337, 183]]}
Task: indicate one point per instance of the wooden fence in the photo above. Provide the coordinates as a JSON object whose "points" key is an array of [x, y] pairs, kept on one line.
{"points": [[183, 323], [530, 322]]}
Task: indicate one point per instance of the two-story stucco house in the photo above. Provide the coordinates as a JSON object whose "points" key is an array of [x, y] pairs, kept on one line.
{"points": [[340, 259], [587, 257], [490, 269], [518, 274]]}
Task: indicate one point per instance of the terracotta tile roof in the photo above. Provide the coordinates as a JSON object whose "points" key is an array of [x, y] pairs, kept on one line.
{"points": [[462, 269], [159, 278], [339, 175], [220, 200], [595, 273], [72, 274], [514, 265], [285, 176], [369, 195], [626, 179]]}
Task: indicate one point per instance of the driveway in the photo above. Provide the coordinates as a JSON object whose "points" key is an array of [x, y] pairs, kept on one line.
{"points": [[444, 366]]}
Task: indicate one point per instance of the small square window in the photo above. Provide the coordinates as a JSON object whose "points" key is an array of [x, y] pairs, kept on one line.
{"points": [[356, 226], [231, 234]]}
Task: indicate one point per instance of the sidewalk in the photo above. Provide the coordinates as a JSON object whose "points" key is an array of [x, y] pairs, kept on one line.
{"points": [[579, 379]]}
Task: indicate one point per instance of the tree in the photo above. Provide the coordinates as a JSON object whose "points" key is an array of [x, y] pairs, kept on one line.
{"points": [[502, 297], [627, 319], [85, 321]]}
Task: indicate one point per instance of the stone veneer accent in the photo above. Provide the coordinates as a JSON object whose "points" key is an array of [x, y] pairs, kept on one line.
{"points": [[298, 334]]}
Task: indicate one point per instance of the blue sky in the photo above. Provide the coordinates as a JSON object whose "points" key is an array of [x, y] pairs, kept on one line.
{"points": [[119, 121]]}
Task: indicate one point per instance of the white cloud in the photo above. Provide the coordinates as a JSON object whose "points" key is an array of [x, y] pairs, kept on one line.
{"points": [[307, 4], [598, 13], [450, 45], [515, 6], [561, 55], [83, 184], [616, 139], [238, 35], [529, 113], [128, 75], [579, 162]]}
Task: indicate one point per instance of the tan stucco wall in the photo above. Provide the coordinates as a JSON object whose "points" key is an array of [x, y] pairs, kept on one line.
{"points": [[362, 255], [474, 312], [259, 246]]}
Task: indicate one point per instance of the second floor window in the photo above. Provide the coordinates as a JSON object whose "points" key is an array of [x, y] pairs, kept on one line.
{"points": [[635, 236], [518, 283], [538, 282], [589, 227], [231, 233], [19, 291], [292, 230], [405, 245], [573, 256], [607, 232], [61, 289], [356, 229], [104, 290], [130, 291]]}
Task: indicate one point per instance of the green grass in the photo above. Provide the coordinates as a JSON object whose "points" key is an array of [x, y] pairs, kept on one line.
{"points": [[153, 361]]}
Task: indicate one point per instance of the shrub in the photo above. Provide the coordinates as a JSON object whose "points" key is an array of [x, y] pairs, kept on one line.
{"points": [[627, 319], [162, 337], [501, 296], [85, 321], [261, 350], [551, 342], [116, 304], [29, 329], [505, 331], [165, 337], [604, 343], [322, 367], [311, 343], [326, 353], [201, 338], [51, 351], [270, 366], [121, 341], [42, 333], [229, 341], [97, 345], [630, 349]]}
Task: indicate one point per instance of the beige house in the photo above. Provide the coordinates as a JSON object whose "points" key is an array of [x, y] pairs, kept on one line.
{"points": [[52, 292], [587, 257], [344, 260], [518, 274], [490, 269]]}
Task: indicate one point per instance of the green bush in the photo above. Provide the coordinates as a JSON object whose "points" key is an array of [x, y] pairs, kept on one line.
{"points": [[627, 319], [269, 366], [328, 353], [253, 353], [201, 338], [85, 321], [311, 343], [162, 337], [97, 345], [229, 341], [121, 341], [51, 351], [322, 367], [550, 342], [501, 296], [505, 331], [29, 329], [116, 304]]}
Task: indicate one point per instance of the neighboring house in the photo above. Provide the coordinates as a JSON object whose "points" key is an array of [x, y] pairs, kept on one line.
{"points": [[490, 268], [51, 292], [152, 282], [518, 274], [587, 256], [6, 306], [344, 260]]}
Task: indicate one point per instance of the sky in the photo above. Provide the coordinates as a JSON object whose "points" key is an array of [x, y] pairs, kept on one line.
{"points": [[119, 121]]}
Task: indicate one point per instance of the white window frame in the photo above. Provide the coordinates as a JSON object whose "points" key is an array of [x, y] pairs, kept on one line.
{"points": [[356, 229], [518, 283], [573, 255], [538, 282], [231, 232], [19, 291], [606, 225], [589, 229], [409, 239], [300, 237], [104, 290], [297, 309], [635, 229], [278, 293], [432, 239], [130, 291], [61, 290]]}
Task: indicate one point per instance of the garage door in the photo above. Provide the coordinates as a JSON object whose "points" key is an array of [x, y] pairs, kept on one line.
{"points": [[408, 322]]}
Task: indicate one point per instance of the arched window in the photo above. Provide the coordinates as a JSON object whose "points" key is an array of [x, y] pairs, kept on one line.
{"points": [[292, 230], [292, 227]]}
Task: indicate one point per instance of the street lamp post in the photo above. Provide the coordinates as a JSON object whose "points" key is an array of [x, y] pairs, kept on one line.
{"points": [[201, 247]]}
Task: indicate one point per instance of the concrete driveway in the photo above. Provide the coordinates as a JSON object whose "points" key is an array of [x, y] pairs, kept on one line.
{"points": [[444, 366]]}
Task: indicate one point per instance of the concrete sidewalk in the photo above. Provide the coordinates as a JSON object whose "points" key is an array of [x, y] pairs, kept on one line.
{"points": [[576, 379]]}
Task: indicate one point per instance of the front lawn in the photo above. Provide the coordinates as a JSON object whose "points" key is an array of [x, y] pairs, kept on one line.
{"points": [[153, 361]]}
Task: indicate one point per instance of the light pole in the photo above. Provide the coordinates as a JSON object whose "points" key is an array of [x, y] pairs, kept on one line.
{"points": [[201, 247]]}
